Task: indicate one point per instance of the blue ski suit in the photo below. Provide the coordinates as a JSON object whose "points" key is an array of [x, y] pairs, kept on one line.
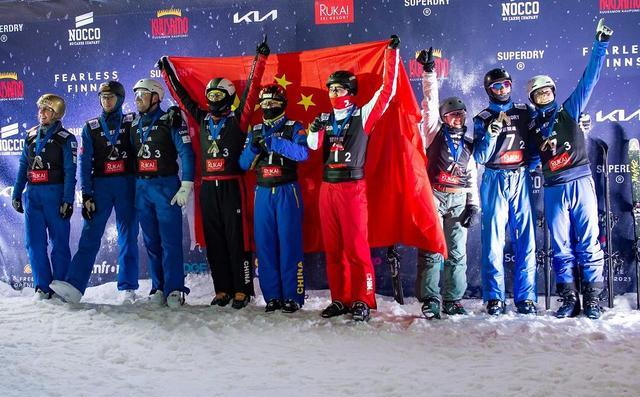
{"points": [[278, 207], [158, 145], [505, 196], [106, 173], [569, 193], [49, 182]]}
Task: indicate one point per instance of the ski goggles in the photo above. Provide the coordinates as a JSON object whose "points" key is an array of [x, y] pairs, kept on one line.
{"points": [[270, 103], [141, 93], [500, 85], [456, 113], [215, 95]]}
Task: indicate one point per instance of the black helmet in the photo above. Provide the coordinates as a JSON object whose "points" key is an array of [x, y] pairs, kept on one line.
{"points": [[493, 76], [451, 104], [274, 92], [345, 79], [113, 87]]}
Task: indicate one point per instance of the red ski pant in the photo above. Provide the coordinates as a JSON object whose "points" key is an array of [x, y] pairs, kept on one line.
{"points": [[343, 219]]}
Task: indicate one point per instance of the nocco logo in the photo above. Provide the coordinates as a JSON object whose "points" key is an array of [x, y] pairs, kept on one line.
{"points": [[83, 81], [619, 56], [84, 36], [169, 24], [333, 11], [10, 145], [618, 115], [426, 11], [442, 66], [11, 88], [616, 6], [255, 16], [516, 11], [520, 56]]}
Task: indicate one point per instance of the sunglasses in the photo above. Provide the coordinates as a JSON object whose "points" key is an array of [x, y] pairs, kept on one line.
{"points": [[499, 85], [269, 103], [107, 97], [215, 95]]}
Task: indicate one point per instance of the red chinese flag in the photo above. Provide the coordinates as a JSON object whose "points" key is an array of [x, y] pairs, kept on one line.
{"points": [[401, 206]]}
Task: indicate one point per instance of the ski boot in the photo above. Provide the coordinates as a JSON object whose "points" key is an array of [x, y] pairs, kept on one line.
{"points": [[290, 306], [360, 311], [273, 305], [221, 299], [526, 307], [590, 304], [66, 291], [431, 308], [570, 304], [175, 299], [336, 308], [496, 307], [453, 307], [240, 300]]}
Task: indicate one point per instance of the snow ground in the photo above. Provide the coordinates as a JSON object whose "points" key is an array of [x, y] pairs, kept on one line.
{"points": [[102, 348]]}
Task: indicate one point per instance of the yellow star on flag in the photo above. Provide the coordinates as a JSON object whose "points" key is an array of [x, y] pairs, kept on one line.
{"points": [[282, 81], [306, 101]]}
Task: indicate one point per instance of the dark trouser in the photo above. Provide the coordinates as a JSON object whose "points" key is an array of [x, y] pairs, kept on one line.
{"points": [[222, 209]]}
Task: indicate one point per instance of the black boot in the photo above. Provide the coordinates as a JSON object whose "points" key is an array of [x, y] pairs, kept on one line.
{"points": [[590, 305], [570, 304], [336, 308], [290, 306], [360, 311], [273, 305], [495, 307], [240, 300], [221, 300]]}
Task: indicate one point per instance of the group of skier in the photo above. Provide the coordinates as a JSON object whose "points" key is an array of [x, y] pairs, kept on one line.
{"points": [[511, 139], [129, 162]]}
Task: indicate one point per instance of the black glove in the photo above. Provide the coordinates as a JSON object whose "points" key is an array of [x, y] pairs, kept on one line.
{"points": [[259, 143], [161, 62], [603, 32], [88, 206], [425, 58], [66, 210], [394, 42], [17, 205], [175, 116], [469, 216], [263, 48], [317, 125]]}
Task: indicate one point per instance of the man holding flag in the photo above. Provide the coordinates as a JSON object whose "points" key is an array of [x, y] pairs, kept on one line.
{"points": [[343, 136]]}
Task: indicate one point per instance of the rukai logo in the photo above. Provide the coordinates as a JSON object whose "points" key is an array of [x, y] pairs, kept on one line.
{"points": [[11, 89], [84, 36], [516, 11], [169, 23], [619, 56], [442, 66], [618, 115], [255, 16], [426, 11], [615, 6], [334, 11], [10, 145]]}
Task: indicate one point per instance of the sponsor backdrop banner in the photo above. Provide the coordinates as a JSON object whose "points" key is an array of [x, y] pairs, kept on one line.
{"points": [[70, 47]]}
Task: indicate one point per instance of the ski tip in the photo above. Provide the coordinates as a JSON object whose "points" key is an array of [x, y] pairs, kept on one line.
{"points": [[633, 144]]}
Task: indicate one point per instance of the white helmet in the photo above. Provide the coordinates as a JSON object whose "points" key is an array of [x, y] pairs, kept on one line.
{"points": [[150, 85], [537, 82], [222, 84], [55, 102]]}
